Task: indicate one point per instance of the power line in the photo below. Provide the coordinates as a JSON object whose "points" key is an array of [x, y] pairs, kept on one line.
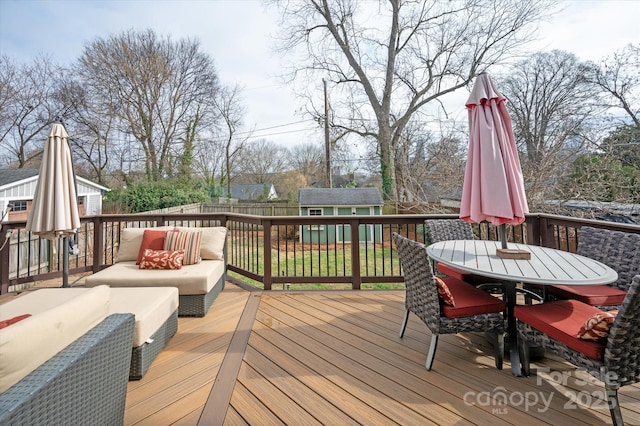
{"points": [[281, 133]]}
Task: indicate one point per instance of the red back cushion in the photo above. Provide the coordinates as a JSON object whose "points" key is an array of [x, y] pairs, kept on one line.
{"points": [[151, 239]]}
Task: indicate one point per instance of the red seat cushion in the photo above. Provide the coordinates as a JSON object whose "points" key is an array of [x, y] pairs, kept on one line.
{"points": [[469, 300], [594, 295], [452, 272], [562, 320]]}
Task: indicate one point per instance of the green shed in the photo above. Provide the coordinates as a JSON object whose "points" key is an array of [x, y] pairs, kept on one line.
{"points": [[339, 202]]}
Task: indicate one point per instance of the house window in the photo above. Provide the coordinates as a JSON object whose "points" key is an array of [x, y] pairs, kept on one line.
{"points": [[316, 212], [18, 206]]}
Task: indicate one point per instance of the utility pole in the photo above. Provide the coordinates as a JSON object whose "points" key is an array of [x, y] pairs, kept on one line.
{"points": [[327, 145]]}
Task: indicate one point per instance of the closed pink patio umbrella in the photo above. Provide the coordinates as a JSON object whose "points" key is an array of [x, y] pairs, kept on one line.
{"points": [[493, 189], [54, 210]]}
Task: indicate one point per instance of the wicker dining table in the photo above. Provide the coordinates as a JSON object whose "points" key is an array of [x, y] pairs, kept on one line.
{"points": [[546, 266]]}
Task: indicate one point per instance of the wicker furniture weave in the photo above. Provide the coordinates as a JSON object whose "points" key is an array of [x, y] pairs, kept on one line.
{"points": [[423, 300], [621, 363], [616, 249], [197, 305], [448, 229], [84, 384], [142, 356]]}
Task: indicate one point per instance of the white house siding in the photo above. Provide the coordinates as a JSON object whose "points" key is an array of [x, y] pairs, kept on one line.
{"points": [[93, 204], [23, 190]]}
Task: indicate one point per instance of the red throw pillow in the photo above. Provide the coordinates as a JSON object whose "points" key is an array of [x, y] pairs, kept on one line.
{"points": [[151, 239], [187, 241], [162, 259], [597, 326], [444, 292], [8, 322]]}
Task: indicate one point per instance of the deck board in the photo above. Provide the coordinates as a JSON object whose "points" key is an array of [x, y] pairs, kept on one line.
{"points": [[179, 381], [335, 357]]}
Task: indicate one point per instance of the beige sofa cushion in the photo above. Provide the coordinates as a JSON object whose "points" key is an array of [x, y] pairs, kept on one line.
{"points": [[212, 241], [152, 306], [190, 279], [130, 241], [59, 317]]}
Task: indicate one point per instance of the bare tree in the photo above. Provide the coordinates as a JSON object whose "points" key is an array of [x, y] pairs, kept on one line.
{"points": [[619, 78], [30, 101], [288, 183], [90, 124], [231, 112], [260, 160], [309, 159], [550, 102], [429, 166], [390, 59], [157, 88]]}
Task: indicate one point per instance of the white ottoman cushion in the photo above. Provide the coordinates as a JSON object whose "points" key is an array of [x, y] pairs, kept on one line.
{"points": [[152, 306], [59, 317]]}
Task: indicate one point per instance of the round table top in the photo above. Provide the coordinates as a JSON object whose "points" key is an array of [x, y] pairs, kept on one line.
{"points": [[546, 266]]}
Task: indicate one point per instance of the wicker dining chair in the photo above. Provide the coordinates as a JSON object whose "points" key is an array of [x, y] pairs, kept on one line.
{"points": [[617, 249], [474, 310], [450, 229], [614, 361]]}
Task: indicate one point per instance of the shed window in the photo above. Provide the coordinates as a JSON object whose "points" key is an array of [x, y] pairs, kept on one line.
{"points": [[316, 212]]}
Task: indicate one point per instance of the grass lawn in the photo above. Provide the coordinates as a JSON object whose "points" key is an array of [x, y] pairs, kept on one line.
{"points": [[322, 263]]}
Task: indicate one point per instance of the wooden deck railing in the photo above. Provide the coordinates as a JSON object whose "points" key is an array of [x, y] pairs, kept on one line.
{"points": [[274, 249]]}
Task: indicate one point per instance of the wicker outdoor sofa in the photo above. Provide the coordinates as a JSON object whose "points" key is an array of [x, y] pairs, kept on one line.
{"points": [[198, 284], [66, 365]]}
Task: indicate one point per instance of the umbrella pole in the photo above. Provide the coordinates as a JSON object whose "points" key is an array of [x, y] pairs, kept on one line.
{"points": [[503, 235], [65, 262]]}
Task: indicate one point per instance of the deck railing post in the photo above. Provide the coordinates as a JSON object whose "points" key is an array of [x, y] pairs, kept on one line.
{"points": [[356, 277], [268, 278], [547, 233], [4, 263], [533, 230], [98, 244]]}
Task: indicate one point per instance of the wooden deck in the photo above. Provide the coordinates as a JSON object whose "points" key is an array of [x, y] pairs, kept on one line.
{"points": [[335, 357]]}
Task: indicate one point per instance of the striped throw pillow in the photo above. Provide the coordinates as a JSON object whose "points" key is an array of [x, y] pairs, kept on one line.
{"points": [[187, 241]]}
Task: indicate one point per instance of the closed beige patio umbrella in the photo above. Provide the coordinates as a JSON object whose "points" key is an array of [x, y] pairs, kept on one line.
{"points": [[54, 211]]}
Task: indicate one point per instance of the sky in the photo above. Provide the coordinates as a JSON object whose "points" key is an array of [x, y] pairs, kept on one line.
{"points": [[238, 35]]}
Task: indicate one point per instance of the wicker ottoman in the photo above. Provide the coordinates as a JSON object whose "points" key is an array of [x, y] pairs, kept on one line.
{"points": [[156, 312]]}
